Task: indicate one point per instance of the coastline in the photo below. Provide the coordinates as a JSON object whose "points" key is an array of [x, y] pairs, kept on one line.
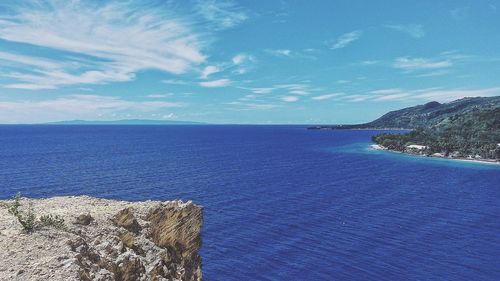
{"points": [[481, 161]]}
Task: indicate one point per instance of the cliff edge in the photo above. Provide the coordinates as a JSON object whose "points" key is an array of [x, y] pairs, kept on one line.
{"points": [[103, 240]]}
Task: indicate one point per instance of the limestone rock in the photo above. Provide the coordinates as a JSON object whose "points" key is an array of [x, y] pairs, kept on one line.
{"points": [[125, 218], [115, 241], [84, 219]]}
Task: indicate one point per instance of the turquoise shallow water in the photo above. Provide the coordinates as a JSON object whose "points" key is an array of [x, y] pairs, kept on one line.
{"points": [[281, 202]]}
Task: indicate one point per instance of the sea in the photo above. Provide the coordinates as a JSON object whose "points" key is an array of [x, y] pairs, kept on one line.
{"points": [[280, 202]]}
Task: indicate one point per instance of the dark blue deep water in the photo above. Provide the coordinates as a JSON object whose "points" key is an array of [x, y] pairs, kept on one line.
{"points": [[281, 202]]}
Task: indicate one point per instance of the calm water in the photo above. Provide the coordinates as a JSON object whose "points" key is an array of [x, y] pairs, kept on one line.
{"points": [[281, 202]]}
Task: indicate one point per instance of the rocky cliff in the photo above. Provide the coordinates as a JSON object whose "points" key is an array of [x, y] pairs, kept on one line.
{"points": [[103, 240]]}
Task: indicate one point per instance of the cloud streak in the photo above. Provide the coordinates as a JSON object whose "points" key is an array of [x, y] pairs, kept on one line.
{"points": [[411, 64], [414, 30], [117, 39], [346, 39], [221, 14], [216, 83]]}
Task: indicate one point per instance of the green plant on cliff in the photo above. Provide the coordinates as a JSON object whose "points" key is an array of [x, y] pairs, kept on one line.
{"points": [[28, 219]]}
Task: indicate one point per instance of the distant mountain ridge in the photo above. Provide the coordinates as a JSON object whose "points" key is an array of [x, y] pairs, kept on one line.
{"points": [[432, 113], [422, 116], [124, 122]]}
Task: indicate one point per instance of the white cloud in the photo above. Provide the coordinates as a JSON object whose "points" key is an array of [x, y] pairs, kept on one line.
{"points": [[414, 30], [290, 98], [221, 14], [28, 61], [299, 92], [262, 90], [392, 97], [369, 62], [211, 69], [449, 95], [242, 62], [356, 98], [386, 91], [410, 64], [241, 58], [431, 94], [347, 38], [293, 89], [159, 96], [117, 39], [216, 83], [174, 82], [74, 106], [279, 52], [434, 73], [253, 105], [327, 96], [169, 116]]}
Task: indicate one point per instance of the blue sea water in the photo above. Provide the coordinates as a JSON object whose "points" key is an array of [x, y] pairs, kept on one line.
{"points": [[280, 202]]}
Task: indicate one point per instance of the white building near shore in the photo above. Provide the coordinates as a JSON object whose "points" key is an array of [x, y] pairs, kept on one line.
{"points": [[416, 146]]}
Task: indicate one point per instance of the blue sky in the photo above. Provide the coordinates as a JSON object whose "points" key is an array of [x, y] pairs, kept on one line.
{"points": [[222, 61]]}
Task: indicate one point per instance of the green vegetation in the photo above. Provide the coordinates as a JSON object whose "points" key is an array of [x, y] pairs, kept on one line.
{"points": [[476, 132], [28, 219]]}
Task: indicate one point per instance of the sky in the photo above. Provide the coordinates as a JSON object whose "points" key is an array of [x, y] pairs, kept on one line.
{"points": [[242, 62]]}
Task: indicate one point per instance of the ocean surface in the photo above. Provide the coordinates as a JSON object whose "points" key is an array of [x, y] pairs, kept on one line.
{"points": [[281, 202]]}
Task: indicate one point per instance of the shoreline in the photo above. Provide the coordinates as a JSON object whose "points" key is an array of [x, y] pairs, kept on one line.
{"points": [[379, 147]]}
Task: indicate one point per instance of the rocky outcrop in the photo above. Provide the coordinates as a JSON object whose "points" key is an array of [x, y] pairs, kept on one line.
{"points": [[104, 240]]}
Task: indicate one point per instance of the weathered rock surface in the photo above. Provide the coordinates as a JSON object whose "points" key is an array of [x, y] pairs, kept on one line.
{"points": [[105, 240]]}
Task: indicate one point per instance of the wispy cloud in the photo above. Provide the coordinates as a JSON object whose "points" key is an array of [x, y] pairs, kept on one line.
{"points": [[120, 39], [300, 89], [414, 30], [346, 39], [434, 73], [243, 62], [174, 82], [290, 98], [386, 91], [369, 62], [211, 69], [279, 52], [160, 96], [75, 106], [287, 53], [430, 94], [221, 14], [252, 105], [262, 90], [392, 97], [215, 83], [449, 95], [327, 96], [408, 63]]}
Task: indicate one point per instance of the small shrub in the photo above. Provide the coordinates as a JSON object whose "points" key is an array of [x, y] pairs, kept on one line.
{"points": [[29, 221], [14, 206], [54, 221]]}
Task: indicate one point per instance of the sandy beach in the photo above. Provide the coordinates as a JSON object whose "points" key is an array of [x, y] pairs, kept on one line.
{"points": [[484, 161]]}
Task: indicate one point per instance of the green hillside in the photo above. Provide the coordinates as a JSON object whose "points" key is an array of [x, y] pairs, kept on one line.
{"points": [[464, 133]]}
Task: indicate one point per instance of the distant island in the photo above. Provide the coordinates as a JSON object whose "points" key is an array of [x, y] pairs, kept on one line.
{"points": [[124, 122], [467, 128]]}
